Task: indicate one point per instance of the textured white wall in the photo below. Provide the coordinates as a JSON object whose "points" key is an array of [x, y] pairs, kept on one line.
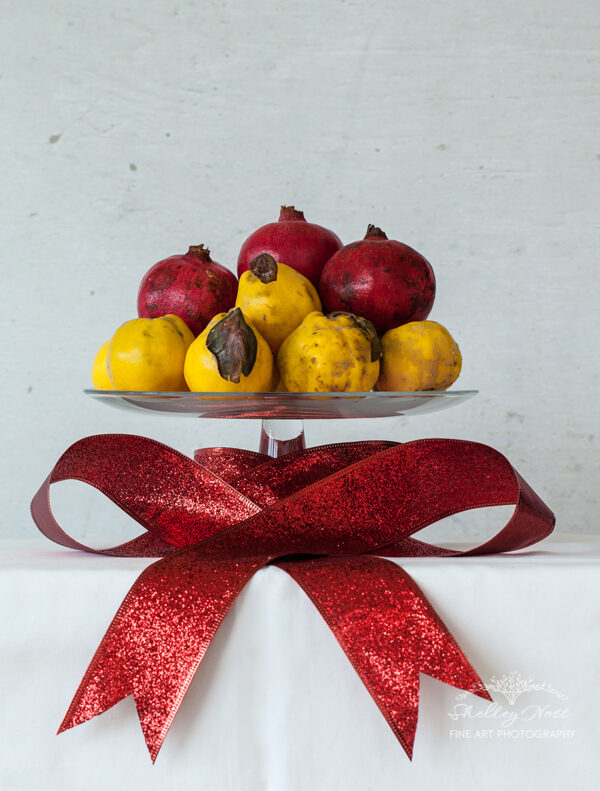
{"points": [[466, 129]]}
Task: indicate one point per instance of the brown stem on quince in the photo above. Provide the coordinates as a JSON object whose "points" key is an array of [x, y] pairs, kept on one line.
{"points": [[289, 213], [200, 252], [367, 328], [233, 343], [373, 232], [264, 267]]}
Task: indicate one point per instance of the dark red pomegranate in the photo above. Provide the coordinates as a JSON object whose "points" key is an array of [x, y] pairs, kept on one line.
{"points": [[384, 281], [192, 286], [292, 240]]}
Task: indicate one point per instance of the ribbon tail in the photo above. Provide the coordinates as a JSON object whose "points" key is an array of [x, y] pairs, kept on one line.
{"points": [[389, 632], [158, 638]]}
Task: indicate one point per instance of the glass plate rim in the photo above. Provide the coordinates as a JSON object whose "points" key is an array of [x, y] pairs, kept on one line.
{"points": [[279, 395]]}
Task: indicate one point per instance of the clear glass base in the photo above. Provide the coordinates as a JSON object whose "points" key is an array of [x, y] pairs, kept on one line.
{"points": [[280, 437]]}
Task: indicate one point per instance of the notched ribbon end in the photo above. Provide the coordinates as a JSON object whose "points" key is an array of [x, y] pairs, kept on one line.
{"points": [[483, 693], [64, 726]]}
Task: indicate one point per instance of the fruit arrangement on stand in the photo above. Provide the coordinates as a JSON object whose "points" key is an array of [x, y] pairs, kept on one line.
{"points": [[308, 314]]}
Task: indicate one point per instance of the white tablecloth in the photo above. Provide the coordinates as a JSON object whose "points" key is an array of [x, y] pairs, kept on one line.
{"points": [[276, 706]]}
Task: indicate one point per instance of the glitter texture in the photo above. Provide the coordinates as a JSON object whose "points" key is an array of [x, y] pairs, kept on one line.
{"points": [[324, 515]]}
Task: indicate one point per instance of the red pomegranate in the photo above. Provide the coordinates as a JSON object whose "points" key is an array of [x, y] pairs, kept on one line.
{"points": [[292, 240], [384, 281], [192, 286]]}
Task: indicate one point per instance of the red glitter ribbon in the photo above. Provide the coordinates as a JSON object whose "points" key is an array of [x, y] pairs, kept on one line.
{"points": [[324, 515]]}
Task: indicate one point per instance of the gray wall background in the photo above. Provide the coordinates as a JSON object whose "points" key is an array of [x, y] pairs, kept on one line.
{"points": [[468, 130]]}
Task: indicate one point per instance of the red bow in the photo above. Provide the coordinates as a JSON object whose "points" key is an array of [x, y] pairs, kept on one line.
{"points": [[324, 515]]}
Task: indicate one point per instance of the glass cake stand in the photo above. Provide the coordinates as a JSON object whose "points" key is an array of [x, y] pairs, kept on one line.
{"points": [[282, 414]]}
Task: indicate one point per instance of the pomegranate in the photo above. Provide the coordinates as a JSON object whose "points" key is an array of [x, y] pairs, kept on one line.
{"points": [[291, 240], [191, 286], [384, 281]]}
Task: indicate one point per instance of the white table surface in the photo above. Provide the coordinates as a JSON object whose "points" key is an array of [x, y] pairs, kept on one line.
{"points": [[277, 706]]}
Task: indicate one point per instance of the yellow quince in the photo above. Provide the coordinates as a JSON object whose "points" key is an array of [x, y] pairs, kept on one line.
{"points": [[275, 298], [100, 378], [334, 353], [148, 354], [420, 355], [229, 355]]}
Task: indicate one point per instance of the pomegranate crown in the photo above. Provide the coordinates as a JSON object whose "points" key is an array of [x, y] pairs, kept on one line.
{"points": [[199, 251], [290, 213], [373, 232]]}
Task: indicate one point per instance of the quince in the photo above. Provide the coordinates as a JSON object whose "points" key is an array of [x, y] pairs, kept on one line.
{"points": [[148, 354], [100, 378], [230, 355], [420, 355], [275, 298], [334, 353]]}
